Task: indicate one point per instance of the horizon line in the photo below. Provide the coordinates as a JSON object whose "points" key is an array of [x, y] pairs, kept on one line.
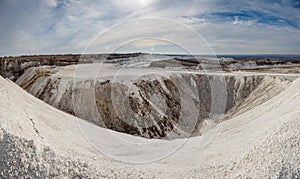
{"points": [[183, 54]]}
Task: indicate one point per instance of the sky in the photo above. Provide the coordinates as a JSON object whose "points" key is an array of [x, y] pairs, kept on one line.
{"points": [[190, 26]]}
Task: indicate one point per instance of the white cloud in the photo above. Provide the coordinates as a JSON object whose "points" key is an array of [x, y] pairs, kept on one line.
{"points": [[51, 3], [55, 26], [237, 21], [132, 5]]}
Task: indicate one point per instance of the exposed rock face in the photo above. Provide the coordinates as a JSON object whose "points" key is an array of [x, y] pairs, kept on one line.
{"points": [[139, 114], [162, 107], [13, 69]]}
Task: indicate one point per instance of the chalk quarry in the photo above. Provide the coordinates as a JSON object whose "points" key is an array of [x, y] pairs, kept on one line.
{"points": [[150, 117]]}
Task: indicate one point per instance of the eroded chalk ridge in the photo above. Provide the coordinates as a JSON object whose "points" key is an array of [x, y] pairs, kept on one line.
{"points": [[149, 110], [164, 107]]}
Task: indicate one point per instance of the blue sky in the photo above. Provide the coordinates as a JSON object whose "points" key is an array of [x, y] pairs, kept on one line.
{"points": [[190, 26]]}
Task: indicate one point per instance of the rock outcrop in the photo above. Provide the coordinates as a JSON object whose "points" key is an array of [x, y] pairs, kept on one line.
{"points": [[13, 68]]}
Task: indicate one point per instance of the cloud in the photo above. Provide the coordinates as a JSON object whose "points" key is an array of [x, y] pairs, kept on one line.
{"points": [[260, 18], [68, 26], [129, 5]]}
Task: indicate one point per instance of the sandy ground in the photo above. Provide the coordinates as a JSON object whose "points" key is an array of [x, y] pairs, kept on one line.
{"points": [[38, 140]]}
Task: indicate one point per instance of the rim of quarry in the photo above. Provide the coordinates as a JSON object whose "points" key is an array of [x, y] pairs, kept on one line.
{"points": [[143, 114]]}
